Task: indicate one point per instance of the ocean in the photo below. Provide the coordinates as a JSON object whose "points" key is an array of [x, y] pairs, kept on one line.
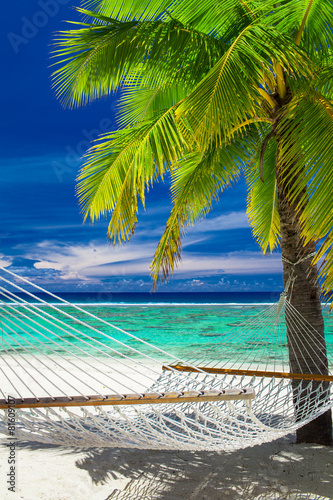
{"points": [[162, 298], [186, 325]]}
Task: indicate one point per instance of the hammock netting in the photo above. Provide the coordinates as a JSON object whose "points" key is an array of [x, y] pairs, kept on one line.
{"points": [[56, 352]]}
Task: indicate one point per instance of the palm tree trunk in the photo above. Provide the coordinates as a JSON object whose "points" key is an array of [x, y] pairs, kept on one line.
{"points": [[305, 297]]}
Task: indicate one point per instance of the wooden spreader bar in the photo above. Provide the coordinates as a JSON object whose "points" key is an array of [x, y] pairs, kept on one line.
{"points": [[250, 373], [131, 399]]}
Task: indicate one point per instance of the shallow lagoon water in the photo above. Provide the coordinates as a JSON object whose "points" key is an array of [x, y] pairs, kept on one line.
{"points": [[184, 330]]}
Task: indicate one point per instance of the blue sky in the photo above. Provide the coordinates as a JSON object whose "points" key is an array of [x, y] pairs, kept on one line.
{"points": [[42, 235]]}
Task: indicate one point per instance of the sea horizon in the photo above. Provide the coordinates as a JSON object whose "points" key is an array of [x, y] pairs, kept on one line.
{"points": [[160, 298]]}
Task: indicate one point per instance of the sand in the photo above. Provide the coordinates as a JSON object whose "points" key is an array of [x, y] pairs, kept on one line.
{"points": [[278, 470]]}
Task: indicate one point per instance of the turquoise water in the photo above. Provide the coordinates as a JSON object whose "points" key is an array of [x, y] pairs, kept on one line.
{"points": [[186, 331]]}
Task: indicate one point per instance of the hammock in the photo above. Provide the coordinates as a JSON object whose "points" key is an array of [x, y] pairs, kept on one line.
{"points": [[72, 378]]}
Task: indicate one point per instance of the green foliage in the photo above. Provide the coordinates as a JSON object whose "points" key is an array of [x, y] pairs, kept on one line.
{"points": [[262, 206], [122, 166], [228, 95], [307, 149], [208, 89], [196, 181], [101, 58], [313, 17]]}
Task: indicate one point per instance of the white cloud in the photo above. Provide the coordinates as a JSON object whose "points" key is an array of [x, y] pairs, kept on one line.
{"points": [[98, 261], [82, 262], [233, 220], [239, 263], [5, 261], [196, 283], [224, 282]]}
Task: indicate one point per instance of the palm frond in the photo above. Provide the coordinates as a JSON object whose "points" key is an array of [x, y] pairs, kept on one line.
{"points": [[122, 165], [324, 79], [209, 16], [219, 19], [138, 104], [123, 10], [307, 152], [197, 180], [313, 17], [97, 59], [326, 268], [228, 95], [262, 206]]}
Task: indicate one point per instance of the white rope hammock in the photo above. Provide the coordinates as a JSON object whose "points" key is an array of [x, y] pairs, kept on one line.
{"points": [[75, 379]]}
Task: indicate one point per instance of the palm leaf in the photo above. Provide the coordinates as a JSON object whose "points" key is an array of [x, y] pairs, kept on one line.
{"points": [[324, 79], [145, 10], [307, 149], [196, 182], [262, 206], [121, 167], [326, 269], [95, 60], [204, 15], [311, 20], [228, 95], [138, 104]]}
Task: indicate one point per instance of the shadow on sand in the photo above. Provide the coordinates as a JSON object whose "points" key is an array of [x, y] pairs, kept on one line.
{"points": [[278, 471], [275, 471]]}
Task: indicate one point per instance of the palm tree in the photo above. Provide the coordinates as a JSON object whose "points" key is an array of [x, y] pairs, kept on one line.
{"points": [[212, 90]]}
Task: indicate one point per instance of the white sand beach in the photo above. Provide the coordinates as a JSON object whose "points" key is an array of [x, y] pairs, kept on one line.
{"points": [[279, 470]]}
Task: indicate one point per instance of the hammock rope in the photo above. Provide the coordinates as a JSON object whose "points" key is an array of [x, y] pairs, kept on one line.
{"points": [[78, 380]]}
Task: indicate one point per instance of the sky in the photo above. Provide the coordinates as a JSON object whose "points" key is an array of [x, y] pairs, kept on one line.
{"points": [[42, 235]]}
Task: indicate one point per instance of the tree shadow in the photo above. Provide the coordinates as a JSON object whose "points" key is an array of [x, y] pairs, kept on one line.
{"points": [[275, 471], [279, 470]]}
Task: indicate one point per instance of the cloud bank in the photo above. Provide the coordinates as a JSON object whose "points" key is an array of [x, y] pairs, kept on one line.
{"points": [[94, 260]]}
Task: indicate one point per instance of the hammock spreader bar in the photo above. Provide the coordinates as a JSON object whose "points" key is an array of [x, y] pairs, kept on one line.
{"points": [[131, 399], [251, 373]]}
